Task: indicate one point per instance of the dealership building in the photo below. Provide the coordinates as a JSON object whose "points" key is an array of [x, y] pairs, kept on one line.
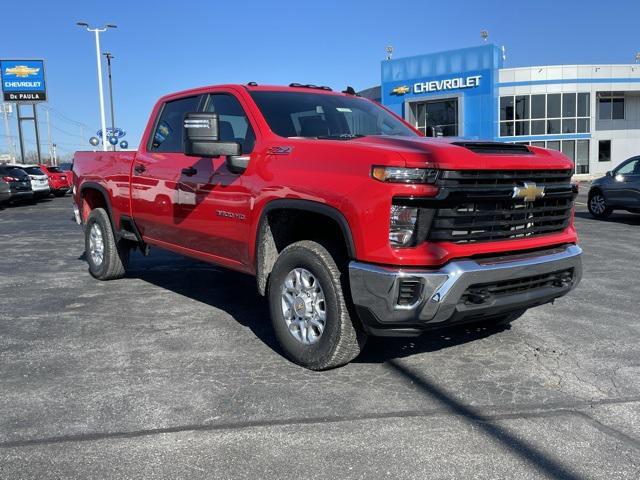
{"points": [[589, 112]]}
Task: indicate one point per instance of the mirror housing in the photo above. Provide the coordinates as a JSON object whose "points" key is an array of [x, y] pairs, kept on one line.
{"points": [[608, 174], [431, 131], [201, 136]]}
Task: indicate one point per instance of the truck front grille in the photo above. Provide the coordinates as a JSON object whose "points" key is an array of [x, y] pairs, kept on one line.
{"points": [[479, 206]]}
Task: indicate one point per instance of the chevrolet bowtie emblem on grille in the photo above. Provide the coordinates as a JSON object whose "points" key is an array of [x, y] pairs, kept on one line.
{"points": [[529, 192]]}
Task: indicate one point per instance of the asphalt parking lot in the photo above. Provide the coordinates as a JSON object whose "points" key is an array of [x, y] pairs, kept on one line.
{"points": [[173, 372]]}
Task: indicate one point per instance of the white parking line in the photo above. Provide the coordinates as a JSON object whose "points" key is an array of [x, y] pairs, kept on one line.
{"points": [[579, 203]]}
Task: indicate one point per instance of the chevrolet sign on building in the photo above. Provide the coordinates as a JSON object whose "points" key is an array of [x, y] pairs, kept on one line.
{"points": [[23, 80]]}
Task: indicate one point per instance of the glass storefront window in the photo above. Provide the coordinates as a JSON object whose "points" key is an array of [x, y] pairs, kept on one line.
{"points": [[551, 114], [568, 105], [522, 107], [442, 114], [582, 156], [538, 127], [538, 106], [569, 149], [553, 145], [568, 125], [553, 105], [506, 108], [553, 127], [583, 105]]}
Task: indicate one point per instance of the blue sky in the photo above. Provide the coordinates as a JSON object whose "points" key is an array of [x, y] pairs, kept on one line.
{"points": [[163, 46]]}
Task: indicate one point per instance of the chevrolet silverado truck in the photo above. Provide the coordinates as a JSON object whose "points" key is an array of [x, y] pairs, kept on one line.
{"points": [[352, 221]]}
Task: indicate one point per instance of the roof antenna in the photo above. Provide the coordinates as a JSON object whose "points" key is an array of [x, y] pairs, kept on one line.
{"points": [[349, 91]]}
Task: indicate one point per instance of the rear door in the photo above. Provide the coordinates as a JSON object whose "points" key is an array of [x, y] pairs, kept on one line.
{"points": [[156, 172]]}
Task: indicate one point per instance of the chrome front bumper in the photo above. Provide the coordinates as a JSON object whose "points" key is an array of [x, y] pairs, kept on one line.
{"points": [[375, 289]]}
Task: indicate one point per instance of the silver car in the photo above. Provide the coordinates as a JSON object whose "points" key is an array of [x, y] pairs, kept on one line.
{"points": [[39, 180]]}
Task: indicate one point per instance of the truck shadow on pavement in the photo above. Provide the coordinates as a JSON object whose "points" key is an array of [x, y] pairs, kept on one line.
{"points": [[236, 294]]}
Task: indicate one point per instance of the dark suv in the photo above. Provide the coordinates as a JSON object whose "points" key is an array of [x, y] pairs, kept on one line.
{"points": [[617, 190], [19, 183]]}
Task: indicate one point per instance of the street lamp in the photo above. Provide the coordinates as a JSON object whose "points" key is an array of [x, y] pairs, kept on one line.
{"points": [[97, 32], [638, 57], [113, 120], [484, 34]]}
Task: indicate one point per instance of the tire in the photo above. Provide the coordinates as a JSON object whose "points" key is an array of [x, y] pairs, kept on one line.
{"points": [[341, 339], [597, 205], [115, 255], [58, 194]]}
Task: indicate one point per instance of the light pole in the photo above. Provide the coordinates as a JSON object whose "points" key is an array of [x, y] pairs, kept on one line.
{"points": [[97, 32], [113, 120]]}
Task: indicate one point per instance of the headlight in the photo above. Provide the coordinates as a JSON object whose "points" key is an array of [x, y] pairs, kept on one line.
{"points": [[402, 225], [404, 175]]}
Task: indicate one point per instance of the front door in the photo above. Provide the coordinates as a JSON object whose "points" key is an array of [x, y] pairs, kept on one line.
{"points": [[214, 203], [624, 189]]}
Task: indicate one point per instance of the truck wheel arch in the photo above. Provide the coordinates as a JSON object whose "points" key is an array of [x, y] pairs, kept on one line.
{"points": [[100, 192], [267, 250]]}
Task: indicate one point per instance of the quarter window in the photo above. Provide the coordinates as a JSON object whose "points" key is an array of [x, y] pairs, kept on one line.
{"points": [[167, 136]]}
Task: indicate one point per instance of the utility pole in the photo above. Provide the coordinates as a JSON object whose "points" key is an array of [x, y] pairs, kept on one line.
{"points": [[46, 111], [97, 32], [113, 120], [55, 156]]}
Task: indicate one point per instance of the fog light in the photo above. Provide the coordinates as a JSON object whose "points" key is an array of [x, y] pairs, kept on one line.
{"points": [[402, 225]]}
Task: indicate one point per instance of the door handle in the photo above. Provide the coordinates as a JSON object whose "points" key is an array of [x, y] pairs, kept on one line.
{"points": [[190, 171], [139, 168]]}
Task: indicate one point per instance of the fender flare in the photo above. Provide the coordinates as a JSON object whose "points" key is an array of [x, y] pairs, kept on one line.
{"points": [[265, 248], [107, 202], [315, 207]]}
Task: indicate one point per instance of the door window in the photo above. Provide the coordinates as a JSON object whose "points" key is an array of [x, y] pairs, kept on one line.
{"points": [[167, 136], [631, 168], [232, 121]]}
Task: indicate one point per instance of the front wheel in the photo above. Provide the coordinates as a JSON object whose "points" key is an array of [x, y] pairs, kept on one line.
{"points": [[309, 310], [107, 258], [597, 205]]}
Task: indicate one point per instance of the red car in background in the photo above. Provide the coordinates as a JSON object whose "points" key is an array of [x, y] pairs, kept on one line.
{"points": [[59, 180]]}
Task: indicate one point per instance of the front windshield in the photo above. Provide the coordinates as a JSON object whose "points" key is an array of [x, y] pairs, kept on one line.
{"points": [[313, 115]]}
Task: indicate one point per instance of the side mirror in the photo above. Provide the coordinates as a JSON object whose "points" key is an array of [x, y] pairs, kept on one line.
{"points": [[201, 136], [608, 174], [431, 131]]}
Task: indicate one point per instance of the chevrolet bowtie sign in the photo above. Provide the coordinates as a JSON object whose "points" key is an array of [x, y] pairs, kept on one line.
{"points": [[23, 80]]}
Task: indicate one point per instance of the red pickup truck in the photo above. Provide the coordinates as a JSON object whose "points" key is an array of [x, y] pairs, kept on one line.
{"points": [[352, 221]]}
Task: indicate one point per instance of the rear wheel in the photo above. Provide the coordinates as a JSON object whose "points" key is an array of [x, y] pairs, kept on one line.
{"points": [[597, 205], [309, 310], [107, 258]]}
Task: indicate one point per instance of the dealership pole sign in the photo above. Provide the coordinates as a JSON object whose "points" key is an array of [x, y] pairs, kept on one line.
{"points": [[23, 81]]}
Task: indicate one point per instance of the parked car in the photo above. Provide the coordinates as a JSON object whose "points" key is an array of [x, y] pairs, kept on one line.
{"points": [[352, 222], [19, 183], [5, 191], [59, 181], [39, 180], [619, 189]]}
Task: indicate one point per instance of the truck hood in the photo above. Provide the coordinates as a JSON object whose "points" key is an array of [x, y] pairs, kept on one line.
{"points": [[458, 154]]}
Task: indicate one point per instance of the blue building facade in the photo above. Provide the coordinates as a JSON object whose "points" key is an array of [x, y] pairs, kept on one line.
{"points": [[589, 112], [454, 91]]}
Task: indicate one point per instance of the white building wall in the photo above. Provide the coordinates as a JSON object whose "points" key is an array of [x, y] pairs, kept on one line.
{"points": [[624, 134]]}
